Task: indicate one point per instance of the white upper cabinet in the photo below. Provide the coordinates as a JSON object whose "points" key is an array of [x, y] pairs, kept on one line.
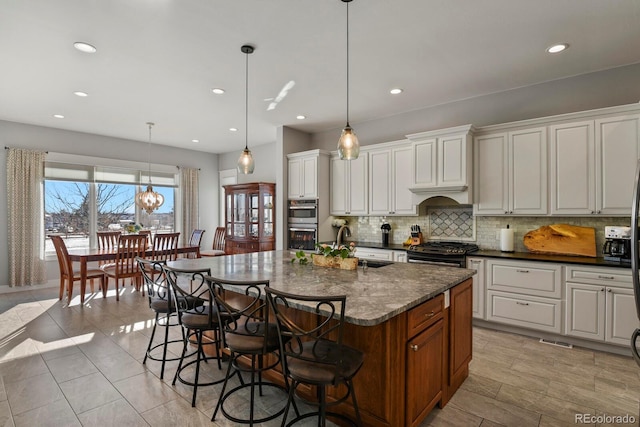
{"points": [[511, 173], [349, 185], [442, 163], [303, 174], [573, 168], [617, 153], [390, 176], [593, 166]]}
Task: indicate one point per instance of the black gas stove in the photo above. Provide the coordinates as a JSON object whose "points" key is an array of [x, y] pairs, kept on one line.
{"points": [[452, 254]]}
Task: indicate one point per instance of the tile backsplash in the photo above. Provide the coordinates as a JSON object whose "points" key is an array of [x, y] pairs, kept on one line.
{"points": [[458, 223]]}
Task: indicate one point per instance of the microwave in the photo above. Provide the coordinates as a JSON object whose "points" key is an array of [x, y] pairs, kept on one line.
{"points": [[302, 212]]}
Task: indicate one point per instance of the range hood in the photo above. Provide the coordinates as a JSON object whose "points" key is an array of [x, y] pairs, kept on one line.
{"points": [[460, 193]]}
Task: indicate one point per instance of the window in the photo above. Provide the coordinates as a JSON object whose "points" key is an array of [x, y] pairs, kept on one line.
{"points": [[80, 200]]}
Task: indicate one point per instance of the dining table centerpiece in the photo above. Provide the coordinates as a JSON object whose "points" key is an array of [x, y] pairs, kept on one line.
{"points": [[342, 257]]}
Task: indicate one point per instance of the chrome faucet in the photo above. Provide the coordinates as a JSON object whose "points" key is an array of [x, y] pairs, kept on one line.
{"points": [[342, 230]]}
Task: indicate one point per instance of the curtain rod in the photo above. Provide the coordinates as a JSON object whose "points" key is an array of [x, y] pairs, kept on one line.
{"points": [[8, 148], [179, 167]]}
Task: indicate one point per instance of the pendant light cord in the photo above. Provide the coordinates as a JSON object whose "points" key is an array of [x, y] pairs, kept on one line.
{"points": [[348, 63], [149, 151], [246, 103]]}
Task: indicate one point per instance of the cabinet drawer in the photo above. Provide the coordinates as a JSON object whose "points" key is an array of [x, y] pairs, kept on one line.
{"points": [[379, 254], [600, 276], [424, 315], [544, 314], [526, 278]]}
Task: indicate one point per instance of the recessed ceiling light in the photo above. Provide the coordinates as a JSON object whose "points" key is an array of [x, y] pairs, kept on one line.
{"points": [[233, 129], [85, 47], [217, 91], [556, 48], [81, 94], [195, 140], [301, 117], [395, 91], [58, 116]]}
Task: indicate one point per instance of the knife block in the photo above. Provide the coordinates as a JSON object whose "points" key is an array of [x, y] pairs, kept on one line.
{"points": [[416, 238]]}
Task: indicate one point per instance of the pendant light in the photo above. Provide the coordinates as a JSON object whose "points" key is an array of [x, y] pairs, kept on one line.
{"points": [[245, 162], [149, 200], [348, 145]]}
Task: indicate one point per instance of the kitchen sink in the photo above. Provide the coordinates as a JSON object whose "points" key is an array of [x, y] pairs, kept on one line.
{"points": [[374, 264]]}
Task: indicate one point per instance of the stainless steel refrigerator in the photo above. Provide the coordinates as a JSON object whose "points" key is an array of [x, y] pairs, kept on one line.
{"points": [[635, 273]]}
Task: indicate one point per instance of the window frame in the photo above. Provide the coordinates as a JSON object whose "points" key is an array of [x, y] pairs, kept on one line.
{"points": [[109, 171]]}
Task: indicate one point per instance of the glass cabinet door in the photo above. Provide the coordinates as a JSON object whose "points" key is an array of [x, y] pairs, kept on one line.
{"points": [[254, 215], [239, 215], [267, 203]]}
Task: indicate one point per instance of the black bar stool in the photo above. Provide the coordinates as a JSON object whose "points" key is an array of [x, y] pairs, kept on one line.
{"points": [[247, 332], [309, 357], [196, 314]]}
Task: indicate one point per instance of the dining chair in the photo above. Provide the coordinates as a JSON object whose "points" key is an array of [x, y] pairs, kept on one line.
{"points": [[130, 246], [195, 240], [165, 246], [197, 315], [68, 275], [218, 243], [244, 318], [309, 356], [107, 240]]}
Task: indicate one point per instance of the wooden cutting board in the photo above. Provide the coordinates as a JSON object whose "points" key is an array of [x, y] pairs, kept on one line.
{"points": [[562, 239]]}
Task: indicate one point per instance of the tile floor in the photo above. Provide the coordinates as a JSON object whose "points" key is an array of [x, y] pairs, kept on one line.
{"points": [[70, 365]]}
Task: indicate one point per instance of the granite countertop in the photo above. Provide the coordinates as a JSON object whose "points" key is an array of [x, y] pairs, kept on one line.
{"points": [[373, 295], [374, 245], [562, 259]]}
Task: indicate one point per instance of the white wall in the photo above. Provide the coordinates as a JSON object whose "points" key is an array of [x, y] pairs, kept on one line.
{"points": [[618, 86], [17, 135], [264, 157]]}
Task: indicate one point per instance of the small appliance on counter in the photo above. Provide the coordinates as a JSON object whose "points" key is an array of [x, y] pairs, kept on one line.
{"points": [[617, 244], [386, 231]]}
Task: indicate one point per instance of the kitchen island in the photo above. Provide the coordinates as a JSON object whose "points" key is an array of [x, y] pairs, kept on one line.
{"points": [[412, 321]]}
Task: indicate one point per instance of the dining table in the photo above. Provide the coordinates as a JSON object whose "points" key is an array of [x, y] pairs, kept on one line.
{"points": [[87, 255]]}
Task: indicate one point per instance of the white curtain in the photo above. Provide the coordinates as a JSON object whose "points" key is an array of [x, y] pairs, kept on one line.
{"points": [[25, 178], [189, 190]]}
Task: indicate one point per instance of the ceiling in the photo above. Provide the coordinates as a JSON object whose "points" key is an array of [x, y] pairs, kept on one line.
{"points": [[157, 60]]}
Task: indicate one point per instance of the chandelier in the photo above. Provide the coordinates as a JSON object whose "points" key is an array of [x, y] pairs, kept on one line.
{"points": [[149, 200]]}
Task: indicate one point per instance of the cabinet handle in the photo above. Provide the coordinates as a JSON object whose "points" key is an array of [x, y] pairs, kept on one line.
{"points": [[506, 212], [609, 290], [430, 315], [601, 289], [414, 347], [475, 261], [606, 277], [522, 271], [598, 212], [593, 212], [522, 303]]}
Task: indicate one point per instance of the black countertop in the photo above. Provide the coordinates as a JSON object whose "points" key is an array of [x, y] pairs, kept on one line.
{"points": [[563, 259], [523, 256]]}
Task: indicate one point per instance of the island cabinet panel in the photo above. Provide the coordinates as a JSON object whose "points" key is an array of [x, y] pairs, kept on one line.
{"points": [[460, 337], [413, 361]]}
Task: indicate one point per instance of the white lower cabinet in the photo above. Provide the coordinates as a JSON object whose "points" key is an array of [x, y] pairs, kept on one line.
{"points": [[544, 314], [381, 254], [525, 294], [600, 304], [477, 264]]}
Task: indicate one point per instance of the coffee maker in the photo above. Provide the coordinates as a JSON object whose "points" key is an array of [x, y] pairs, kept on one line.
{"points": [[617, 244]]}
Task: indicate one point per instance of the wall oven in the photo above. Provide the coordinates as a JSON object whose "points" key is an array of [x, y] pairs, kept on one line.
{"points": [[303, 236], [303, 212]]}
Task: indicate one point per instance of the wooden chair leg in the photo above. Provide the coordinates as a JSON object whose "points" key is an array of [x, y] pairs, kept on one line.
{"points": [[61, 288]]}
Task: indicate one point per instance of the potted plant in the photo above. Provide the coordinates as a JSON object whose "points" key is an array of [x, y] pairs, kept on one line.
{"points": [[342, 257]]}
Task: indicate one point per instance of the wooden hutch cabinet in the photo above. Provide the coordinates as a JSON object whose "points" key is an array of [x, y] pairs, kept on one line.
{"points": [[250, 217]]}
